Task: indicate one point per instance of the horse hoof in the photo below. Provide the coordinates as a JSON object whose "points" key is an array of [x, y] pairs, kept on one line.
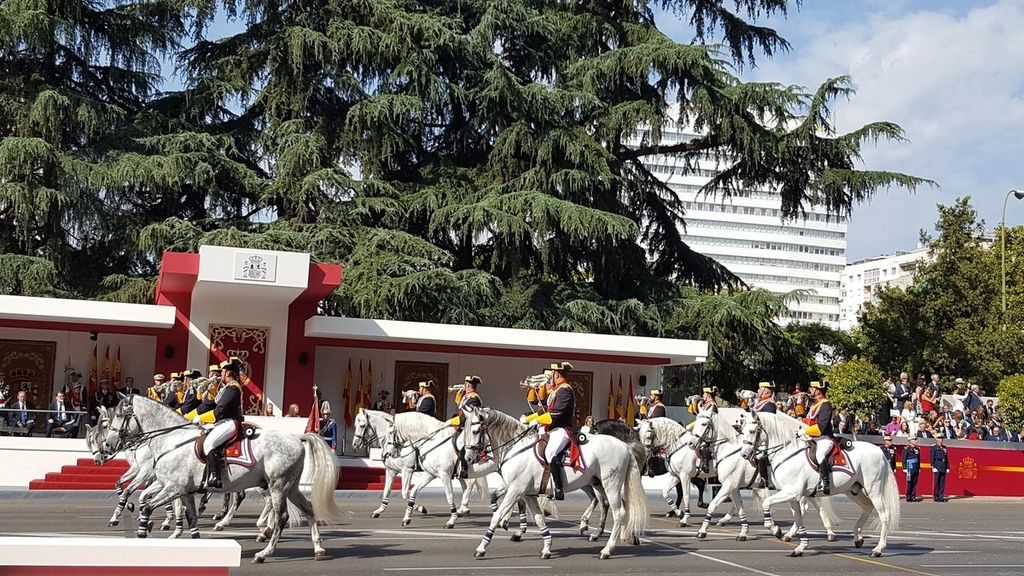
{"points": [[592, 538], [320, 555], [876, 553], [257, 559], [217, 516], [858, 543], [786, 538], [683, 523], [720, 523], [142, 534], [670, 514], [195, 536], [130, 507], [702, 535], [406, 522], [375, 515], [112, 523], [479, 554], [422, 510], [261, 538], [449, 526], [741, 538], [165, 527], [777, 532], [796, 554], [604, 556], [636, 540], [217, 527], [515, 537], [584, 530], [833, 538], [504, 526]]}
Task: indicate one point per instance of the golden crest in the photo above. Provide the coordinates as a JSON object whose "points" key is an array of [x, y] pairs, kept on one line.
{"points": [[968, 469]]}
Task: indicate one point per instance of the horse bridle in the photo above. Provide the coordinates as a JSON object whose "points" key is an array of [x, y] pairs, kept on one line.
{"points": [[361, 436], [484, 446]]}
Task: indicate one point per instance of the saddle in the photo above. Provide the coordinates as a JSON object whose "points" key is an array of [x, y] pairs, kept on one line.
{"points": [[233, 447], [571, 455], [838, 454]]}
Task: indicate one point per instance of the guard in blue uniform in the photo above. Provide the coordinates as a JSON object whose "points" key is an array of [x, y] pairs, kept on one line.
{"points": [[940, 466], [821, 432], [227, 417], [657, 409], [765, 403], [890, 451], [426, 404], [557, 421], [912, 467]]}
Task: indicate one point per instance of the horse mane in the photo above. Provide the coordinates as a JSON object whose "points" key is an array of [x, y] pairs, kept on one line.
{"points": [[723, 429], [166, 415], [413, 426], [616, 428], [667, 430], [501, 426], [371, 414], [780, 428]]}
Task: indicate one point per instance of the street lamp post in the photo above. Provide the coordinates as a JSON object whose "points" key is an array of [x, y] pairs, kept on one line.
{"points": [[1019, 195]]}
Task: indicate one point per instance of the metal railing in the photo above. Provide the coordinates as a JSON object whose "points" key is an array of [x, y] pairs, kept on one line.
{"points": [[35, 422]]}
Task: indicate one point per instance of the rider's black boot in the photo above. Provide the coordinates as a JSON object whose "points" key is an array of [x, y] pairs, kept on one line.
{"points": [[215, 461], [825, 485], [556, 477]]}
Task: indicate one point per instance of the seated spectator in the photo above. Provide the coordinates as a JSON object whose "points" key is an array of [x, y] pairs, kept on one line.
{"points": [[904, 430], [293, 411], [908, 414], [21, 415], [59, 419], [872, 429], [997, 434], [894, 425], [924, 430]]}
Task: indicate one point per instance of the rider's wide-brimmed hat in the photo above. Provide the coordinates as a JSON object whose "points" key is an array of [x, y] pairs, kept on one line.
{"points": [[655, 392], [192, 374], [561, 367], [819, 385], [473, 379], [214, 368], [176, 376], [769, 385], [233, 364], [427, 384], [713, 390], [158, 378]]}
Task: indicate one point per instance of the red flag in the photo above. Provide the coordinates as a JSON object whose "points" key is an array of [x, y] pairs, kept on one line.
{"points": [[106, 365], [313, 424], [630, 404], [94, 377], [611, 397], [117, 371], [346, 397], [620, 410], [360, 398], [369, 386]]}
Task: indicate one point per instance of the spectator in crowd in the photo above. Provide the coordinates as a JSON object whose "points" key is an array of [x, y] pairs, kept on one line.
{"points": [[990, 407], [588, 424], [931, 394], [889, 450], [972, 402], [912, 467], [60, 418], [903, 391], [129, 387], [924, 430], [939, 459], [21, 415], [293, 411], [918, 391], [997, 434], [383, 404], [904, 431], [908, 414], [104, 397], [872, 429], [780, 407], [894, 424]]}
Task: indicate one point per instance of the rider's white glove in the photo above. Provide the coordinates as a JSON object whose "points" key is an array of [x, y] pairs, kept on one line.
{"points": [[196, 420], [533, 424], [522, 419]]}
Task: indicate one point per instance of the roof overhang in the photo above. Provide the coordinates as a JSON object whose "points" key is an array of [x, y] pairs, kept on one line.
{"points": [[480, 340], [83, 315]]}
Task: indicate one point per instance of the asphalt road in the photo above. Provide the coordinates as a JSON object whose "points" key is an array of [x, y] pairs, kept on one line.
{"points": [[971, 536]]}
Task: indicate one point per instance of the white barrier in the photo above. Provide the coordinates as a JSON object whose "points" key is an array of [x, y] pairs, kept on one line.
{"points": [[37, 556]]}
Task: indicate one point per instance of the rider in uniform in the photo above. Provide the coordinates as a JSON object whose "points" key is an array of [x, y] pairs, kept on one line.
{"points": [[819, 422], [426, 403], [191, 400], [171, 399], [558, 420], [227, 415], [657, 409], [467, 397], [708, 401], [765, 403]]}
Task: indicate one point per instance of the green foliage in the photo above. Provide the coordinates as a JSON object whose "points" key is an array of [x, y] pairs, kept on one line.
{"points": [[1011, 401], [857, 386], [949, 320]]}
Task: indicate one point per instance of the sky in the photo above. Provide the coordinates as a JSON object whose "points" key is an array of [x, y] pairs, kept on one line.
{"points": [[951, 73]]}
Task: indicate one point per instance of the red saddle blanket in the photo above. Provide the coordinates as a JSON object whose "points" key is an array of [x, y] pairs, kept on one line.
{"points": [[838, 456], [572, 456], [236, 451]]}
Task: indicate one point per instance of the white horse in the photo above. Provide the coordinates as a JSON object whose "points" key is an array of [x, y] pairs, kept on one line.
{"points": [[430, 444], [610, 466], [371, 428], [866, 478], [277, 464]]}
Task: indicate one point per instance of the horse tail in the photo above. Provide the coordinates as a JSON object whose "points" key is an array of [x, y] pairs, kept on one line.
{"points": [[481, 485], [324, 477], [547, 506], [890, 497], [639, 452], [634, 502]]}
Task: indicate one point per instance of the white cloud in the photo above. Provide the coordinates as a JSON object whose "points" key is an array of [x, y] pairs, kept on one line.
{"points": [[955, 82]]}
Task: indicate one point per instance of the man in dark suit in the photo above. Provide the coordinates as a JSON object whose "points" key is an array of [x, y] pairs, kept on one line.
{"points": [[940, 466], [60, 419], [129, 387], [890, 451], [912, 468], [21, 415]]}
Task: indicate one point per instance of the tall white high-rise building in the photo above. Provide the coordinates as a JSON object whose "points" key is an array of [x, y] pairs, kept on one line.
{"points": [[746, 234], [864, 278]]}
